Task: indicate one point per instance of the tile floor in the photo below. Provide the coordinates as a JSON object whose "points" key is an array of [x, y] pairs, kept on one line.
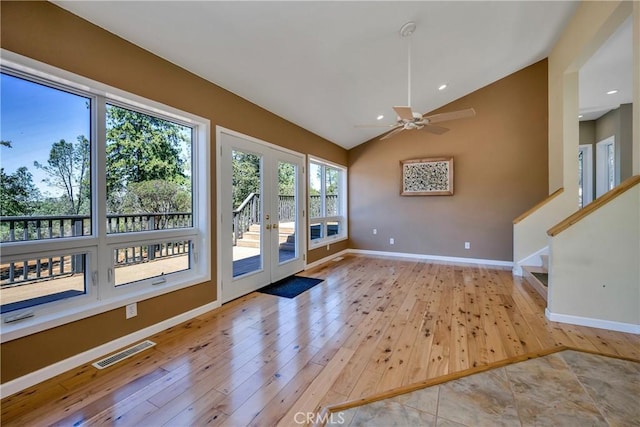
{"points": [[568, 388]]}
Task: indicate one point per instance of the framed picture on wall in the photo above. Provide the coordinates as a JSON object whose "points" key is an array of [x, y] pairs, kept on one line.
{"points": [[427, 177]]}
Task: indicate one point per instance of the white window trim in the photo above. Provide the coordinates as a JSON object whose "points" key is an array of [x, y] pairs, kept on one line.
{"points": [[602, 165], [587, 173], [100, 297], [343, 219]]}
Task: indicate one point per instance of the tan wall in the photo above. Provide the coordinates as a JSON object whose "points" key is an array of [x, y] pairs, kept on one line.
{"points": [[500, 164], [44, 32]]}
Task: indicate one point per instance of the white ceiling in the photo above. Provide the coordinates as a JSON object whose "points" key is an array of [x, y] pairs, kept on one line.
{"points": [[328, 66], [610, 68]]}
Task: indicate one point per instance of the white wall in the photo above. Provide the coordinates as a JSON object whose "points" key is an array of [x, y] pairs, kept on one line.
{"points": [[595, 276]]}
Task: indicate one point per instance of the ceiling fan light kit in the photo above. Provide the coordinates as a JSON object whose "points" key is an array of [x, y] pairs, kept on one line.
{"points": [[411, 120]]}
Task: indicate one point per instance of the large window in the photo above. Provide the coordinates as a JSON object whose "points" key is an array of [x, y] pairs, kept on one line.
{"points": [[327, 202], [102, 199]]}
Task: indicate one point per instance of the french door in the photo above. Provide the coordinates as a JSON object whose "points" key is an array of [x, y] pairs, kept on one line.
{"points": [[262, 189]]}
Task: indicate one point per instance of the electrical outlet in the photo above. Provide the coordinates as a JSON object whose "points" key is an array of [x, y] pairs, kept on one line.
{"points": [[467, 245], [328, 247], [132, 310], [375, 231], [392, 241]]}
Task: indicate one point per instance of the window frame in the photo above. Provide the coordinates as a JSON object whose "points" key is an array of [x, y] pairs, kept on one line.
{"points": [[101, 293], [342, 217]]}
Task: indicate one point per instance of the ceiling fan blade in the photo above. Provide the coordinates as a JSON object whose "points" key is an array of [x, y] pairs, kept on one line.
{"points": [[438, 130], [405, 113], [453, 115], [375, 126], [392, 133]]}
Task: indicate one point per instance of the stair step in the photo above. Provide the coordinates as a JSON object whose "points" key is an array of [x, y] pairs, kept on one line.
{"points": [[283, 228], [251, 239], [537, 278], [248, 243]]}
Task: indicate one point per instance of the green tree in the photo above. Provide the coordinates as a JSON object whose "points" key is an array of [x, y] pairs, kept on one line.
{"points": [[142, 148], [286, 179], [246, 176], [157, 196], [18, 194], [68, 169]]}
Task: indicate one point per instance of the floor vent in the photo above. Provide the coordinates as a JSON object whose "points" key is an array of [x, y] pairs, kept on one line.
{"points": [[338, 258], [121, 355]]}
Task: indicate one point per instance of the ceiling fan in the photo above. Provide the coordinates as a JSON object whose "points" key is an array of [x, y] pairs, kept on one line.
{"points": [[409, 119]]}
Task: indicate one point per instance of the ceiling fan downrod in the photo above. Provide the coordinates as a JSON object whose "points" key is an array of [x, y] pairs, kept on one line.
{"points": [[406, 31]]}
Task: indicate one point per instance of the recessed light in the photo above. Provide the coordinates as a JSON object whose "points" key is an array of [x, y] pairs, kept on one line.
{"points": [[442, 87], [579, 116], [380, 117], [611, 92]]}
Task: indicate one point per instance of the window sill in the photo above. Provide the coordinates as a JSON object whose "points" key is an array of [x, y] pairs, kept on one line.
{"points": [[42, 322], [315, 244]]}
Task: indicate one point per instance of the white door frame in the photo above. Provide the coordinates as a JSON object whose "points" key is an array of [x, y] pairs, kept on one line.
{"points": [[273, 269], [587, 173], [602, 179]]}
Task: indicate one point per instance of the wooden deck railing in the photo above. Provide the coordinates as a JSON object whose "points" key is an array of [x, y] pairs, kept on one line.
{"points": [[593, 206], [248, 213], [44, 227]]}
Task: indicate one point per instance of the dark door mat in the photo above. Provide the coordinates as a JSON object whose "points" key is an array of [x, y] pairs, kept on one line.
{"points": [[543, 278], [290, 287]]}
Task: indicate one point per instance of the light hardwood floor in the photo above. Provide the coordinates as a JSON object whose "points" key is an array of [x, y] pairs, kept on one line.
{"points": [[375, 324]]}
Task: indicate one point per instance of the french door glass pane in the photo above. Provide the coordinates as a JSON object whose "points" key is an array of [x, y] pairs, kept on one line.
{"points": [[287, 203], [247, 212]]}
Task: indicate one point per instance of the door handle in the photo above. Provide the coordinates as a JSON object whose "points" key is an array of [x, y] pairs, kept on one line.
{"points": [[268, 226], [275, 226]]}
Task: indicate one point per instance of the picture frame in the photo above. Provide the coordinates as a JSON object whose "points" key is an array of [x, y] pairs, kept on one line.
{"points": [[427, 177]]}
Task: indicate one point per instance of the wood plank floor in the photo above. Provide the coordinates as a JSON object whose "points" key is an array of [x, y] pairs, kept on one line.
{"points": [[375, 324]]}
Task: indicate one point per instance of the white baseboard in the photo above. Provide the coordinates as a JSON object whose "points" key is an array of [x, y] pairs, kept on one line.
{"points": [[593, 323], [33, 378], [434, 257], [532, 260], [326, 259]]}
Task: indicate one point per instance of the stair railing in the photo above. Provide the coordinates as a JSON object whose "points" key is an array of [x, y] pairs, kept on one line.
{"points": [[246, 214]]}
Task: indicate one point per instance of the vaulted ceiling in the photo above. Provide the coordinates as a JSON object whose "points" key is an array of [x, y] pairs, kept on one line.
{"points": [[328, 66]]}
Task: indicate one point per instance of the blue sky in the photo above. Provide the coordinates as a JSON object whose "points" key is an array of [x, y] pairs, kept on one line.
{"points": [[33, 117]]}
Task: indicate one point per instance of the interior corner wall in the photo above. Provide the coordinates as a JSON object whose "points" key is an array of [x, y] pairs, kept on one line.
{"points": [[616, 123], [500, 171], [47, 33], [591, 25], [625, 146]]}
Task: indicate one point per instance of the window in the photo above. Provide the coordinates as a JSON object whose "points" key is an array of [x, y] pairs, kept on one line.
{"points": [[327, 202], [102, 198], [585, 175], [605, 166]]}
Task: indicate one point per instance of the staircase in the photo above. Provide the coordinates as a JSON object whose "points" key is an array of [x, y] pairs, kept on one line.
{"points": [[591, 256], [286, 236], [538, 275]]}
